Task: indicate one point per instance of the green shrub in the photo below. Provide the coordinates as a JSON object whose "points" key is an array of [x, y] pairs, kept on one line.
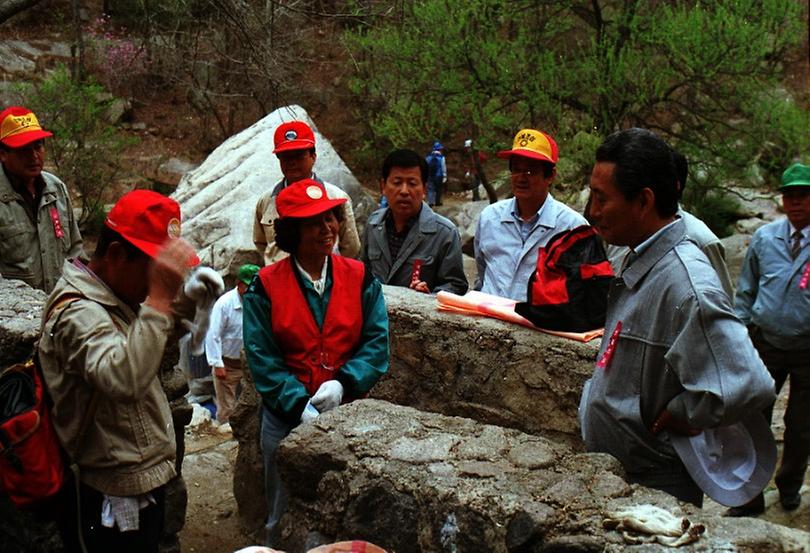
{"points": [[86, 148]]}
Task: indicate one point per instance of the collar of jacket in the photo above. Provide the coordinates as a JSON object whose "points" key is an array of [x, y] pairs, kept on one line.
{"points": [[427, 219], [282, 184], [8, 192], [94, 289], [548, 213], [668, 239]]}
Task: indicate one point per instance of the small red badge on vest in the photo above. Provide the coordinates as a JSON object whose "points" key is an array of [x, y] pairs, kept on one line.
{"points": [[604, 362], [57, 224]]}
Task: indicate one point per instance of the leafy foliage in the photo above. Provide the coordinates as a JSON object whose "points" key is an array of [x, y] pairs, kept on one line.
{"points": [[86, 148], [705, 75]]}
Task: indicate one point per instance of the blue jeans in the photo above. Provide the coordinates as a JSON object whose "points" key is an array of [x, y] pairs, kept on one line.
{"points": [[273, 430]]}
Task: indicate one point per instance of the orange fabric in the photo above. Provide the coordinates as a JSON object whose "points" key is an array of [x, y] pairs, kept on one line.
{"points": [[480, 304]]}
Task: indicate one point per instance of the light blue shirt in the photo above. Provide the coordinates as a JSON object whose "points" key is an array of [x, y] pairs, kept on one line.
{"points": [[505, 260], [768, 291]]}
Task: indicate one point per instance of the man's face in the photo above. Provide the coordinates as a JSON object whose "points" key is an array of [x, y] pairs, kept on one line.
{"points": [[296, 164], [26, 162], [615, 217], [404, 190], [129, 277], [529, 182], [796, 203]]}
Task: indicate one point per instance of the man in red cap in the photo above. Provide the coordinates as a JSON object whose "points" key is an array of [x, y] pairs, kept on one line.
{"points": [[37, 228], [100, 351], [294, 146], [510, 232]]}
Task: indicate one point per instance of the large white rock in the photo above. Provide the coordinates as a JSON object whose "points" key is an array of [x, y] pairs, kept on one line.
{"points": [[218, 199]]}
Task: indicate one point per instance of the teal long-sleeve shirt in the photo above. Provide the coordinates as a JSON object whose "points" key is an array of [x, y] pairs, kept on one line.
{"points": [[282, 393]]}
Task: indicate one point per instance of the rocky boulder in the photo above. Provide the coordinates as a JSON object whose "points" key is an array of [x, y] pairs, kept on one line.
{"points": [[218, 199], [411, 481], [487, 370], [465, 217], [481, 368]]}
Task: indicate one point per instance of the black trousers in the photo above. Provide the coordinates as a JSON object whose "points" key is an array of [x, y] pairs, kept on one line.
{"points": [[674, 480], [99, 539], [796, 449]]}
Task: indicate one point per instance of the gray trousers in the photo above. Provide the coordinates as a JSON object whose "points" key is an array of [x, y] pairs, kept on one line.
{"points": [[796, 448], [273, 430]]}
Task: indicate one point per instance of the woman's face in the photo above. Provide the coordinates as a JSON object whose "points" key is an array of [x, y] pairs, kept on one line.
{"points": [[318, 235]]}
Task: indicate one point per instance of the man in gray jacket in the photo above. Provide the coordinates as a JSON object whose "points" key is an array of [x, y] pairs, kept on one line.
{"points": [[37, 228], [406, 243], [675, 358]]}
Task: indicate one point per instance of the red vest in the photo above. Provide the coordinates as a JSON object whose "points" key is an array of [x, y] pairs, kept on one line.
{"points": [[315, 355]]}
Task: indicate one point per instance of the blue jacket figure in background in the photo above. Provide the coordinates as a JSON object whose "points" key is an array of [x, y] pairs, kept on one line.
{"points": [[437, 174]]}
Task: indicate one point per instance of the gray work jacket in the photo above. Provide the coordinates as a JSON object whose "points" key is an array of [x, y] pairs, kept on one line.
{"points": [[676, 345], [432, 239], [30, 249]]}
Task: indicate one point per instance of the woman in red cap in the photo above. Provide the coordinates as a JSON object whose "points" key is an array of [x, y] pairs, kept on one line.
{"points": [[315, 327]]}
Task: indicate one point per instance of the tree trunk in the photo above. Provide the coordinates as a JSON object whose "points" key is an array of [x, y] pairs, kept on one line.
{"points": [[491, 195]]}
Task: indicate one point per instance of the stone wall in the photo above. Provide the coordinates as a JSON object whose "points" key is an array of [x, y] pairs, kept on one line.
{"points": [[487, 370], [411, 481]]}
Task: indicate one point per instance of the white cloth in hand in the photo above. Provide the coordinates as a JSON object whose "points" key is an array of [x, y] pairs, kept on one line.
{"points": [[309, 413], [328, 396]]}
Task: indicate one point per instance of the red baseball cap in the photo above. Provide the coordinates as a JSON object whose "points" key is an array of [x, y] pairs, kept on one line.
{"points": [[19, 126], [293, 135], [305, 198], [532, 144], [147, 220]]}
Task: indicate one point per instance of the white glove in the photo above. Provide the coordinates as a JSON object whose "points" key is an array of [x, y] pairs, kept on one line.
{"points": [[328, 396], [310, 413], [204, 286], [204, 283]]}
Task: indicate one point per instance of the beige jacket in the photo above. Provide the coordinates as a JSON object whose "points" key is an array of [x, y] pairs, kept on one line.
{"points": [[97, 344], [264, 235], [30, 250]]}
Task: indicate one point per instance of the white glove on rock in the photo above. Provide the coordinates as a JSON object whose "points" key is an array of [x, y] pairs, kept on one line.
{"points": [[328, 396], [310, 413]]}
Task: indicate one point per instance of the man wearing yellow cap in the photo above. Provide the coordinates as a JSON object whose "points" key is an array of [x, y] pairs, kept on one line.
{"points": [[37, 228], [510, 232]]}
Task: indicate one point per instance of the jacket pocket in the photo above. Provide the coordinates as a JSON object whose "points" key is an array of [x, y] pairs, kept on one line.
{"points": [[16, 241]]}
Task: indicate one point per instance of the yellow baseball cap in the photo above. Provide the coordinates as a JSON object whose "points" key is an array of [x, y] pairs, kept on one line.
{"points": [[533, 144], [19, 126]]}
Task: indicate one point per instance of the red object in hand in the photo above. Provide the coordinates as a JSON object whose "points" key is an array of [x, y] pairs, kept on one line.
{"points": [[220, 372], [416, 273], [666, 421]]}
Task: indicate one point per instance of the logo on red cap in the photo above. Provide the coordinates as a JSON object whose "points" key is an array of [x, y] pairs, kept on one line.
{"points": [[293, 135]]}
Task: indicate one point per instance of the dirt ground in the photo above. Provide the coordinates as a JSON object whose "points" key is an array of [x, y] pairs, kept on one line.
{"points": [[212, 522]]}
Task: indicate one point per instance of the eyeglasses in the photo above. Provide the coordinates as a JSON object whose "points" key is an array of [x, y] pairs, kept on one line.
{"points": [[529, 173]]}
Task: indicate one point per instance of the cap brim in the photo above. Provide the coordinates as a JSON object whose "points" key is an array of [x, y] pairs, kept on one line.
{"points": [[151, 249], [314, 209], [20, 140], [525, 153], [299, 144], [765, 451], [799, 184]]}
